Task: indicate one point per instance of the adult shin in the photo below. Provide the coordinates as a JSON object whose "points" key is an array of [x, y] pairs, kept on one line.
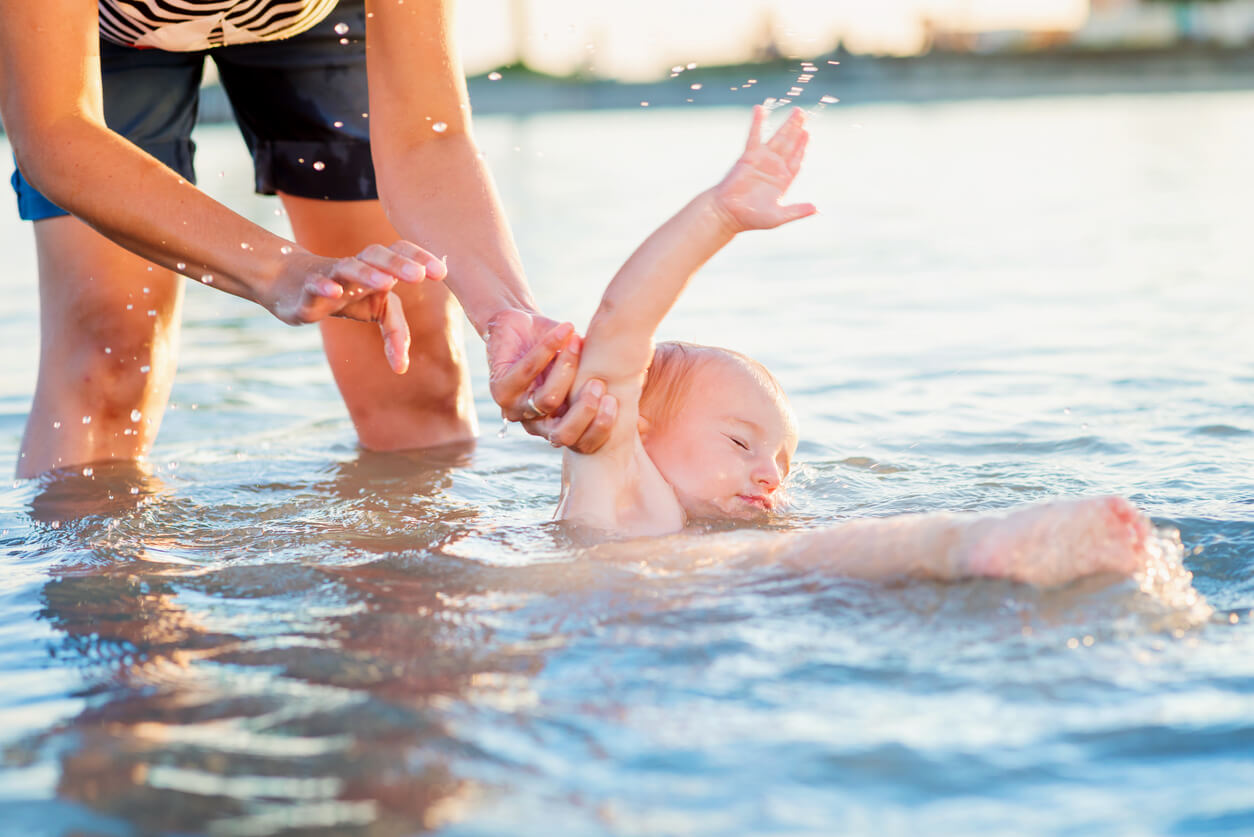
{"points": [[109, 325], [432, 404]]}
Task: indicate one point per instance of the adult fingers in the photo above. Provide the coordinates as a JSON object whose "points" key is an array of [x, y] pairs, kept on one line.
{"points": [[552, 394], [395, 330], [588, 421], [404, 260], [511, 387], [599, 430], [360, 272]]}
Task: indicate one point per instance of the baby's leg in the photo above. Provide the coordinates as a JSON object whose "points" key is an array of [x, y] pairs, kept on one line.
{"points": [[1052, 543]]}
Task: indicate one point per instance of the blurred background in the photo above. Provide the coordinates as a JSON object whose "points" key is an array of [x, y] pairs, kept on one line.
{"points": [[526, 56]]}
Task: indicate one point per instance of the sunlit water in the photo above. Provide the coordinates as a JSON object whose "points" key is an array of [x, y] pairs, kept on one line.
{"points": [[1002, 301]]}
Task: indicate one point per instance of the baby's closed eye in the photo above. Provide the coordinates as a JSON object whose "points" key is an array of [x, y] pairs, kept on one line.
{"points": [[738, 442]]}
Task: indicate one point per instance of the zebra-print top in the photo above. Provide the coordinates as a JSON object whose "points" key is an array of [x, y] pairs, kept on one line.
{"points": [[189, 25]]}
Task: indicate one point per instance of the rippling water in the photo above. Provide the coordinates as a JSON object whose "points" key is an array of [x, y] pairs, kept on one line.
{"points": [[276, 633]]}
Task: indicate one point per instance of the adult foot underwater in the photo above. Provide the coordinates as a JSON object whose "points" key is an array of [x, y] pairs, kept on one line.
{"points": [[98, 98]]}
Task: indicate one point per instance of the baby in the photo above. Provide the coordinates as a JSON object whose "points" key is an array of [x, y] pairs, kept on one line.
{"points": [[704, 432]]}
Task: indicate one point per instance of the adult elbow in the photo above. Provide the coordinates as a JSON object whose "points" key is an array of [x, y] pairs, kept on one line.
{"points": [[47, 166]]}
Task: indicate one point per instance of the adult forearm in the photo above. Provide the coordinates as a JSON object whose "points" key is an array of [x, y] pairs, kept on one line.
{"points": [[439, 193], [133, 199]]}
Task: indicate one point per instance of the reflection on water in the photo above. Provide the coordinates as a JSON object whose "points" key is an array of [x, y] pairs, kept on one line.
{"points": [[265, 630]]}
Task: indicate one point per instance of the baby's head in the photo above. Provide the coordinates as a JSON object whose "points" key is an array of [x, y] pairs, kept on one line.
{"points": [[718, 427]]}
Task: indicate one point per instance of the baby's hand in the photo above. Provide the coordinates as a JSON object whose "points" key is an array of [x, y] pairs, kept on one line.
{"points": [[749, 196]]}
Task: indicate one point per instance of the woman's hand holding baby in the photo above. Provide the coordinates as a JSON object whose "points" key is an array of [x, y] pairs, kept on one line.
{"points": [[748, 198]]}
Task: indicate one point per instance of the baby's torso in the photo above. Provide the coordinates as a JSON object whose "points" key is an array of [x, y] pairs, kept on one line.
{"points": [[178, 26]]}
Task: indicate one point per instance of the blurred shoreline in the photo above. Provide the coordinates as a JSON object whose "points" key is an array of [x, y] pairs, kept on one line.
{"points": [[858, 79]]}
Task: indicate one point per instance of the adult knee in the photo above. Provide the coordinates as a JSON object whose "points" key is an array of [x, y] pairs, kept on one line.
{"points": [[112, 361]]}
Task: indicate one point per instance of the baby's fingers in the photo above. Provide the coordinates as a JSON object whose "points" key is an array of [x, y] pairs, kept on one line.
{"points": [[755, 128], [797, 154], [789, 133], [793, 212]]}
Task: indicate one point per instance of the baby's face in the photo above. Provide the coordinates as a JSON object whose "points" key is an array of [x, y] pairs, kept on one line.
{"points": [[729, 447]]}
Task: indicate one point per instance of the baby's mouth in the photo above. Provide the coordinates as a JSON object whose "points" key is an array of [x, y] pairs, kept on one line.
{"points": [[759, 501]]}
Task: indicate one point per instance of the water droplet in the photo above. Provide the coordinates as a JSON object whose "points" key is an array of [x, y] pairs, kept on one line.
{"points": [[644, 104], [181, 266], [87, 472], [244, 245], [833, 63], [440, 127], [136, 415], [145, 369], [344, 41], [207, 278], [134, 489], [829, 100], [279, 211], [365, 116], [152, 312], [338, 124], [300, 160], [677, 69], [56, 425], [494, 76], [285, 249], [697, 86], [86, 419], [130, 306], [319, 165], [341, 28], [108, 351], [500, 434], [692, 66], [145, 290]]}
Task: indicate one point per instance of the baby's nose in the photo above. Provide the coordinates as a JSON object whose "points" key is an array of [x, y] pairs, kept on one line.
{"points": [[767, 477]]}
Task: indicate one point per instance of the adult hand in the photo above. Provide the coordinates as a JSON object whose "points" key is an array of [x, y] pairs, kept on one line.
{"points": [[532, 362], [311, 288]]}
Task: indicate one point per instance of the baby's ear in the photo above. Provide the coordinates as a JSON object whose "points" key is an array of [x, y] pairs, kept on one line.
{"points": [[642, 426]]}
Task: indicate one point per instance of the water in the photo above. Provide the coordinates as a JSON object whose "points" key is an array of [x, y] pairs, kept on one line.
{"points": [[1003, 301]]}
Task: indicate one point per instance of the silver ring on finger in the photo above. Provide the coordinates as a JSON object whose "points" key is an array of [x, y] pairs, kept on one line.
{"points": [[533, 410]]}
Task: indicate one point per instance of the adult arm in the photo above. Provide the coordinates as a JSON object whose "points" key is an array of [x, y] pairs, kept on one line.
{"points": [[436, 189], [51, 102]]}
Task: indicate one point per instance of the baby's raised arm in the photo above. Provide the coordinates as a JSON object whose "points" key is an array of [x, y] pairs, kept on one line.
{"points": [[618, 488], [619, 342]]}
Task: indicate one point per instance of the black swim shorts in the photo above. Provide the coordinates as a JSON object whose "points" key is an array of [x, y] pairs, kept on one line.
{"points": [[300, 103]]}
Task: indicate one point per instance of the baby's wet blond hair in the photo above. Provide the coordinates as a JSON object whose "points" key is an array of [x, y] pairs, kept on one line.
{"points": [[666, 383]]}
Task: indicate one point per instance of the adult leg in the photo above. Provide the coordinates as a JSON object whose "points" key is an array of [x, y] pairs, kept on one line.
{"points": [[432, 404], [109, 326]]}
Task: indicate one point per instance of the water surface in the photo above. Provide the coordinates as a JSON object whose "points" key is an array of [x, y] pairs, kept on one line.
{"points": [[273, 632]]}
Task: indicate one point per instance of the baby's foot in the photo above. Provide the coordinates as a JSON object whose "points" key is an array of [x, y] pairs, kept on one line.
{"points": [[1056, 542]]}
